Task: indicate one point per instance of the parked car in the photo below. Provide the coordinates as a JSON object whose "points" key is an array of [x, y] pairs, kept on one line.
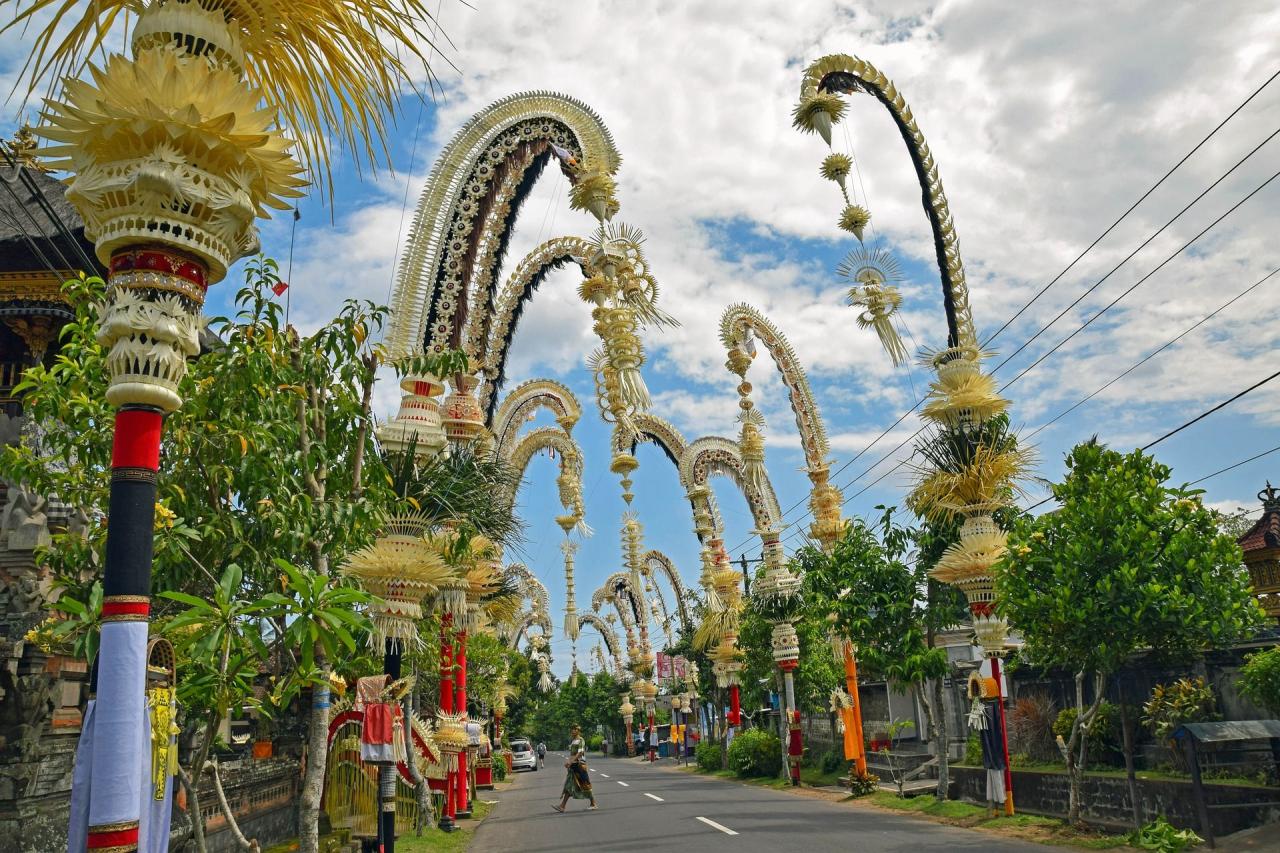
{"points": [[522, 756]]}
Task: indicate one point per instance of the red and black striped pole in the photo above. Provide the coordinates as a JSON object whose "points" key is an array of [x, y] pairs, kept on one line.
{"points": [[149, 327]]}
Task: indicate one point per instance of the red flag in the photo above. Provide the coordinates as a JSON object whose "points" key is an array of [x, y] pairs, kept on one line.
{"points": [[279, 288]]}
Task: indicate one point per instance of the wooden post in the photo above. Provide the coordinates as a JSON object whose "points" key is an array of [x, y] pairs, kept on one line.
{"points": [[1197, 789]]}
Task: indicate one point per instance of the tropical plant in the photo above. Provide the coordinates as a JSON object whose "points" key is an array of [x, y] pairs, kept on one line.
{"points": [[1031, 727], [1260, 679], [1163, 837], [1187, 700], [864, 784], [1127, 562], [265, 459]]}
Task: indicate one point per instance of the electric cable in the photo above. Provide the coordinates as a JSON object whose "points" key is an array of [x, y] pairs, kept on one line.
{"points": [[1140, 281], [1147, 242], [1132, 207], [1154, 353]]}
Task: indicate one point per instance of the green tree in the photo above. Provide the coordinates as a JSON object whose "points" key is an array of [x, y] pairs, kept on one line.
{"points": [[880, 604], [1126, 563], [265, 459], [1260, 679]]}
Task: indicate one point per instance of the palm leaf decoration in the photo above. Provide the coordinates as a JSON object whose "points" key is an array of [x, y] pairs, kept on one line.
{"points": [[969, 468], [334, 69]]}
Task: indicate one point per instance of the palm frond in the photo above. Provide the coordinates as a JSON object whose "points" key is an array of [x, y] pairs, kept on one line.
{"points": [[333, 69]]}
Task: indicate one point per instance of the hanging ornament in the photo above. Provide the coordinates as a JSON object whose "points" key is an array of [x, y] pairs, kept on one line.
{"points": [[836, 167], [875, 275], [594, 192], [854, 218], [817, 113]]}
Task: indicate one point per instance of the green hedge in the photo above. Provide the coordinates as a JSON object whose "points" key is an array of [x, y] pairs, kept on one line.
{"points": [[595, 742], [756, 752], [709, 755]]}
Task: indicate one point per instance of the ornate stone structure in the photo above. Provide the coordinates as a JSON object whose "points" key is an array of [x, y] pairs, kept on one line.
{"points": [[1261, 546], [41, 241]]}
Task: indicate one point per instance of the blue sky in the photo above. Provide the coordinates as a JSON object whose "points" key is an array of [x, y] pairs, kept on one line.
{"points": [[1047, 123]]}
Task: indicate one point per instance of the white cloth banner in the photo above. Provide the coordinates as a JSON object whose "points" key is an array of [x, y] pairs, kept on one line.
{"points": [[119, 727]]}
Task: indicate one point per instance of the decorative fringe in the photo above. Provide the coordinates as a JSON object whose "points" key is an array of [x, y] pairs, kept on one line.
{"points": [[644, 302], [330, 67], [635, 394], [881, 302], [964, 398], [988, 482], [594, 193]]}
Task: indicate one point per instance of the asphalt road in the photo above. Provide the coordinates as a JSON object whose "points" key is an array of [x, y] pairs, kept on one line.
{"points": [[648, 808]]}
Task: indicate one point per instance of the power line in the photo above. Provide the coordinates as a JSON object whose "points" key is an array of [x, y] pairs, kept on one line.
{"points": [[1112, 304], [1208, 412], [1142, 246], [1207, 477], [1169, 434], [1140, 281], [1132, 207], [1236, 465], [1155, 352]]}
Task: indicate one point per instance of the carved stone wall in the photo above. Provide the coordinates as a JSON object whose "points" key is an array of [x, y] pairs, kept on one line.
{"points": [[40, 695]]}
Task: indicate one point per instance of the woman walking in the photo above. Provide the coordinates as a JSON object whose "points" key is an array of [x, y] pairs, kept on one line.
{"points": [[577, 783]]}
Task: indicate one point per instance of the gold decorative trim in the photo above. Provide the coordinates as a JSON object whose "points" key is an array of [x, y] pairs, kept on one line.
{"points": [[138, 475]]}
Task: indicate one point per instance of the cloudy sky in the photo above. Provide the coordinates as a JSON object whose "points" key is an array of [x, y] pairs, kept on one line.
{"points": [[1047, 121]]}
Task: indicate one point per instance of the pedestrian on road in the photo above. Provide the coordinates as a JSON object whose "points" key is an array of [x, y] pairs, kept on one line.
{"points": [[577, 782], [542, 755]]}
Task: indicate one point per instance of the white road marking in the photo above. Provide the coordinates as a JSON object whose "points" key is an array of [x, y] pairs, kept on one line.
{"points": [[652, 797], [603, 776], [623, 784], [711, 823]]}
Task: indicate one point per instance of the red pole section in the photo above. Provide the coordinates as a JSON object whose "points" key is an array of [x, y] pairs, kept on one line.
{"points": [[446, 706], [460, 706]]}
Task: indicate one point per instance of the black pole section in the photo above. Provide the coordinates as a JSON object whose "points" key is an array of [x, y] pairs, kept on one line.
{"points": [[746, 576], [387, 817]]}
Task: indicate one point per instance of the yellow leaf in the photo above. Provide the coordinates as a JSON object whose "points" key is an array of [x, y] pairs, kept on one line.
{"points": [[244, 445]]}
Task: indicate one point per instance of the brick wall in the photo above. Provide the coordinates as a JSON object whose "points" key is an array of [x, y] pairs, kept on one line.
{"points": [[1106, 799]]}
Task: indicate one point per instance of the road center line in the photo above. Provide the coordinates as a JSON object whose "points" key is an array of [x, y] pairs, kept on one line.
{"points": [[652, 797], [623, 784], [711, 823], [603, 776]]}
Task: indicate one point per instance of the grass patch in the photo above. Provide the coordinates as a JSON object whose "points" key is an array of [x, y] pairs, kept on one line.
{"points": [[814, 776], [952, 809], [434, 841]]}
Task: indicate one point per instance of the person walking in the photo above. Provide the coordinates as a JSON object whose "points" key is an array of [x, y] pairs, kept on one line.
{"points": [[542, 755], [577, 782]]}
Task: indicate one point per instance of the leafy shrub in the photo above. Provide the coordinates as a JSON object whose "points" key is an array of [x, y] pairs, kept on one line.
{"points": [[1260, 680], [973, 751], [1102, 737], [709, 755], [1031, 728], [1161, 836], [499, 767], [595, 742], [755, 752], [832, 760], [861, 786], [1186, 700]]}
